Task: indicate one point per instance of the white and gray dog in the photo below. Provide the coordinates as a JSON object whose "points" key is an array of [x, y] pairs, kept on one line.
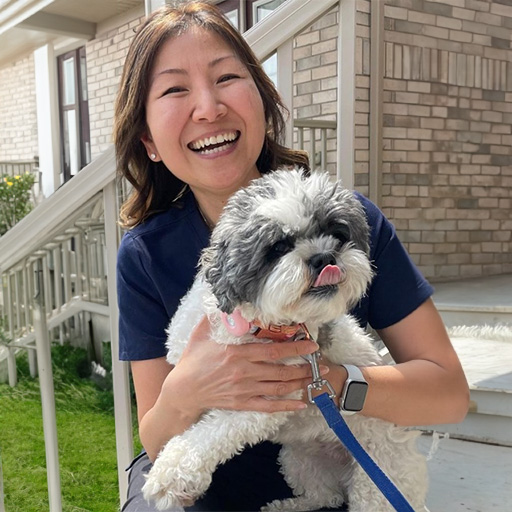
{"points": [[288, 249]]}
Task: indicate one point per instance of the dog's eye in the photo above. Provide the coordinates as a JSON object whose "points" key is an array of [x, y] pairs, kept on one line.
{"points": [[279, 249], [341, 232]]}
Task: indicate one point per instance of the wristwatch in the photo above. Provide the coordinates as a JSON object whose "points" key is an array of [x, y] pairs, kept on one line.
{"points": [[354, 391]]}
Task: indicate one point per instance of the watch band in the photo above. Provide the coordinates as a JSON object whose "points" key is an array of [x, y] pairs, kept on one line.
{"points": [[354, 391]]}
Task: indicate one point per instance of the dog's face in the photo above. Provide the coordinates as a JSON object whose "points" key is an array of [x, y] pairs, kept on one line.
{"points": [[289, 249]]}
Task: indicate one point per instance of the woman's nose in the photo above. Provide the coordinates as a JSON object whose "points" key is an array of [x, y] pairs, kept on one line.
{"points": [[208, 106]]}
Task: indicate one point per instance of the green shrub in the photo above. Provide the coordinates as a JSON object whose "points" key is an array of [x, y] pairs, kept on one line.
{"points": [[14, 199]]}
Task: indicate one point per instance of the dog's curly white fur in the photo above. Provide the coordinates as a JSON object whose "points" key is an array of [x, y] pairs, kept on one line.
{"points": [[265, 258]]}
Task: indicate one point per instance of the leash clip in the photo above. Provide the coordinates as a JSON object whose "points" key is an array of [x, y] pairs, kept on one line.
{"points": [[318, 382]]}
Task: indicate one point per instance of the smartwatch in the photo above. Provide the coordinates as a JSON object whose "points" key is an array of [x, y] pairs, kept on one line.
{"points": [[354, 391]]}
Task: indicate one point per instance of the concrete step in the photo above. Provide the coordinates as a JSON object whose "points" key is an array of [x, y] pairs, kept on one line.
{"points": [[486, 356], [477, 301]]}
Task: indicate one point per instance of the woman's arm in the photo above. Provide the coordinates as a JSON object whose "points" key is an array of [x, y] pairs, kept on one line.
{"points": [[426, 386], [210, 375]]}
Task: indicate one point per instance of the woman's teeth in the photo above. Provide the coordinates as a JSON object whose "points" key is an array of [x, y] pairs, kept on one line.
{"points": [[204, 145]]}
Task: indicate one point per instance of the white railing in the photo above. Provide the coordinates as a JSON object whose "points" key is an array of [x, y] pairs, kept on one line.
{"points": [[73, 238], [312, 135]]}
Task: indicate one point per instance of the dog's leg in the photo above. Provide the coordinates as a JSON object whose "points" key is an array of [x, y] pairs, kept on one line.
{"points": [[394, 450], [317, 472], [183, 470]]}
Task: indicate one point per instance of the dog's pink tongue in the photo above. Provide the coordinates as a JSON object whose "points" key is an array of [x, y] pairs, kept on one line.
{"points": [[331, 274]]}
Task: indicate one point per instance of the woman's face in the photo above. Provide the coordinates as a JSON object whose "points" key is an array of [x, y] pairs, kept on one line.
{"points": [[204, 114]]}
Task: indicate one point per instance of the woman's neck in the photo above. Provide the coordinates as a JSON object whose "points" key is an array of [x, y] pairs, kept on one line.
{"points": [[210, 209]]}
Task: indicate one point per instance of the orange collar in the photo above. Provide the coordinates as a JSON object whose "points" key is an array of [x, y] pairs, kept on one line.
{"points": [[279, 332]]}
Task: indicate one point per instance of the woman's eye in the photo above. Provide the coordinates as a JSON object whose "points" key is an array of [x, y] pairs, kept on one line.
{"points": [[173, 90], [227, 78]]}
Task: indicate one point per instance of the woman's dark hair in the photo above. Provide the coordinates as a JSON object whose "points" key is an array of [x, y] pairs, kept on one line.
{"points": [[155, 187]]}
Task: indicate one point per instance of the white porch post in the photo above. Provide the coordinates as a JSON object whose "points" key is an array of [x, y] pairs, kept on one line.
{"points": [[285, 84], [376, 93], [47, 118], [120, 371], [346, 92]]}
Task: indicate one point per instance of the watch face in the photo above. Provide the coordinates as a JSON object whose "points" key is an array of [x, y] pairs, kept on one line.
{"points": [[355, 396]]}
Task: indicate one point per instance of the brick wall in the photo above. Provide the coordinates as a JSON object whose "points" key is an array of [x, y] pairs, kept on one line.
{"points": [[448, 133], [18, 122], [315, 78], [105, 59]]}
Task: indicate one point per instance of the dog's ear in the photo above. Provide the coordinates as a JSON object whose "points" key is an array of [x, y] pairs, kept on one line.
{"points": [[214, 263]]}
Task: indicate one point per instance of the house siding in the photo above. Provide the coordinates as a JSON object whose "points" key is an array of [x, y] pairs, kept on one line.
{"points": [[105, 59], [18, 120], [447, 171]]}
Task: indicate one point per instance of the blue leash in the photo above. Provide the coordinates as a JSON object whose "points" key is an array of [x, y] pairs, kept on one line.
{"points": [[335, 420]]}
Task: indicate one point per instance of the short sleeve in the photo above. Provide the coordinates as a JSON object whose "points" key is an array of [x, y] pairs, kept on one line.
{"points": [[142, 315], [398, 287]]}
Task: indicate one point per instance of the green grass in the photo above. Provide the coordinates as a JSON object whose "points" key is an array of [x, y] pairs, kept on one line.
{"points": [[86, 438]]}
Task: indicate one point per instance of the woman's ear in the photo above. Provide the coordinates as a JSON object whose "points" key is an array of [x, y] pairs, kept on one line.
{"points": [[150, 147]]}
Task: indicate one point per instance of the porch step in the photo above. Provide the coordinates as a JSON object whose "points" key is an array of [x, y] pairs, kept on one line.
{"points": [[477, 301], [486, 356]]}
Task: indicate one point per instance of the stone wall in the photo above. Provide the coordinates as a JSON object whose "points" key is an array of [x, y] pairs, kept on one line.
{"points": [[18, 121], [448, 133]]}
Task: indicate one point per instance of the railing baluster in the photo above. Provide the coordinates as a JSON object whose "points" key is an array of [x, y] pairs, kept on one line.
{"points": [[47, 392], [324, 149], [17, 298], [312, 158]]}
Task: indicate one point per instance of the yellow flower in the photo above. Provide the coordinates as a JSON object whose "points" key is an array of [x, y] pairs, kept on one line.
{"points": [[17, 177], [10, 183]]}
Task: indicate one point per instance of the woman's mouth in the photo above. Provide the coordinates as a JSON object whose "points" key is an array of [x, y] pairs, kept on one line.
{"points": [[215, 143]]}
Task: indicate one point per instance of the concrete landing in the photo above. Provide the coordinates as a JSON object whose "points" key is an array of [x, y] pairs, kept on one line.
{"points": [[467, 476]]}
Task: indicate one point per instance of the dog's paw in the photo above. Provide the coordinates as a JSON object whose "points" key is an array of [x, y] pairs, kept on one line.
{"points": [[170, 489], [172, 486]]}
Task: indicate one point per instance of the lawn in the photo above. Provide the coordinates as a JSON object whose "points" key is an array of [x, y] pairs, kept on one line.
{"points": [[86, 437]]}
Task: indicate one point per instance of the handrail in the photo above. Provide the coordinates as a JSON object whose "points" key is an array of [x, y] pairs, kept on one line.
{"points": [[283, 23], [323, 124], [57, 211]]}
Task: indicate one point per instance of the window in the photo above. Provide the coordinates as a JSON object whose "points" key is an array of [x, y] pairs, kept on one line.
{"points": [[261, 9], [255, 10], [73, 112]]}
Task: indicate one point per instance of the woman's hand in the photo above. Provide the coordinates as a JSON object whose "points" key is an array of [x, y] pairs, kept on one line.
{"points": [[239, 377], [210, 375]]}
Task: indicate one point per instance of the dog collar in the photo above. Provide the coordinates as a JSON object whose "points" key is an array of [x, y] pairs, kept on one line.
{"points": [[276, 332], [237, 325]]}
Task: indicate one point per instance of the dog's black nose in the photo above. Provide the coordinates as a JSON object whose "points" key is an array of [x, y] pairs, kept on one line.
{"points": [[319, 261]]}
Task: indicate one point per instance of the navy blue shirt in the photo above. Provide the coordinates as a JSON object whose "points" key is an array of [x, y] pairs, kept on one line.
{"points": [[157, 262]]}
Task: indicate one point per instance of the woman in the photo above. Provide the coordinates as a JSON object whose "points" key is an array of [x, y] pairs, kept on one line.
{"points": [[196, 119]]}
